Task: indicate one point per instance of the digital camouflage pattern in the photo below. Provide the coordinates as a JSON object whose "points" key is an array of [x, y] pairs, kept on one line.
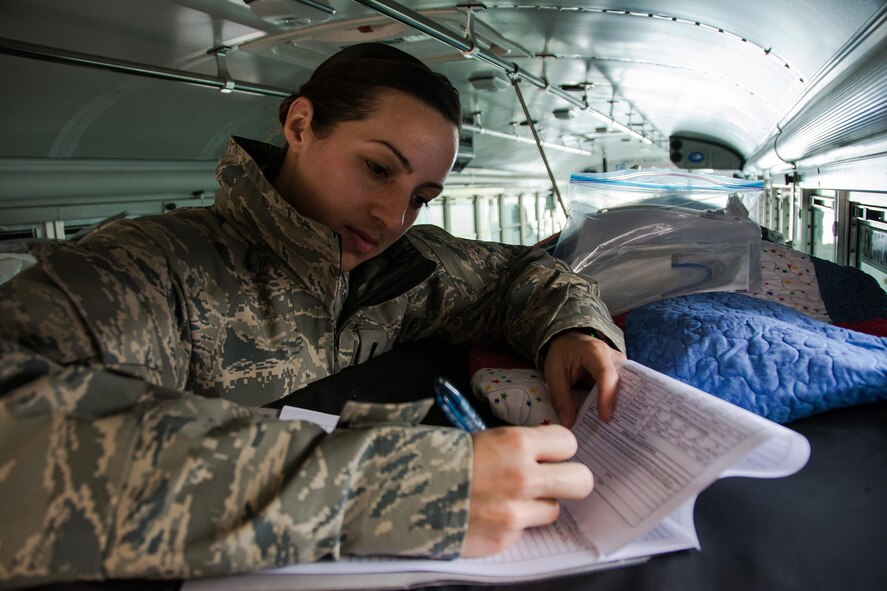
{"points": [[132, 363]]}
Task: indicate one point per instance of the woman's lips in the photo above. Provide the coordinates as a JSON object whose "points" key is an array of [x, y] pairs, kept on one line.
{"points": [[361, 241]]}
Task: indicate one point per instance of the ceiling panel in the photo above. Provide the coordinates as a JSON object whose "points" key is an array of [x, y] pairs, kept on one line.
{"points": [[731, 77]]}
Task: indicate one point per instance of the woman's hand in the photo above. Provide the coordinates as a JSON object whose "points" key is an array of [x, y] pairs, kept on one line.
{"points": [[576, 358], [518, 473]]}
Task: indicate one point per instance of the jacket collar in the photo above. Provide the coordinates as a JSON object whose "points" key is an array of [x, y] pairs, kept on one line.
{"points": [[310, 249], [249, 200]]}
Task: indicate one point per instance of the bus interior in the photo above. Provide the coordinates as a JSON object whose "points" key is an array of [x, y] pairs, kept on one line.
{"points": [[120, 108]]}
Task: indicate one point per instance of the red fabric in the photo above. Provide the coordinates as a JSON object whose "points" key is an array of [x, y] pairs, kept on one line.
{"points": [[619, 320], [488, 357], [548, 241], [872, 326]]}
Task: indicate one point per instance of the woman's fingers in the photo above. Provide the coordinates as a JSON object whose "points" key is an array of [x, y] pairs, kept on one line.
{"points": [[572, 358], [518, 475]]}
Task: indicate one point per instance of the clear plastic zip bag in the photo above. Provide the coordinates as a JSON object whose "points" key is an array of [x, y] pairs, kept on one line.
{"points": [[643, 240]]}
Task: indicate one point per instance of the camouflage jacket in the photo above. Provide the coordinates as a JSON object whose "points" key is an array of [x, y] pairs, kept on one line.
{"points": [[133, 362]]}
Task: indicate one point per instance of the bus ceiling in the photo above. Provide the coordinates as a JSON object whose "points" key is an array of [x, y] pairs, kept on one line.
{"points": [[773, 87]]}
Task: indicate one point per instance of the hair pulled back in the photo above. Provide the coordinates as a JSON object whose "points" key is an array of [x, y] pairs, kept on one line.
{"points": [[346, 86]]}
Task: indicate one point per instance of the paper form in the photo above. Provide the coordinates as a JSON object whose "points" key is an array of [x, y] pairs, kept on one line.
{"points": [[667, 441], [551, 549], [781, 455]]}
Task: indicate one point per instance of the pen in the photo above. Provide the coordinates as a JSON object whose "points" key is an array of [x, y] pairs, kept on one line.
{"points": [[456, 407]]}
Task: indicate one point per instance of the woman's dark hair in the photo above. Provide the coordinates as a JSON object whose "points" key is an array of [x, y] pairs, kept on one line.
{"points": [[345, 86]]}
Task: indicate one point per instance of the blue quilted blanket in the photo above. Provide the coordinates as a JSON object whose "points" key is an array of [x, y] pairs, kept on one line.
{"points": [[757, 354]]}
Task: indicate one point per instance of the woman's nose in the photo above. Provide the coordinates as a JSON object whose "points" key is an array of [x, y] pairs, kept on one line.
{"points": [[390, 209]]}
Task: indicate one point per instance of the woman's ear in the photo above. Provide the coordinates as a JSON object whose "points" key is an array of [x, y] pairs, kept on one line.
{"points": [[297, 127]]}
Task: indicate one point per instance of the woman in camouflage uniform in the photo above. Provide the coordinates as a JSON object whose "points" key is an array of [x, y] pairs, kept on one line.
{"points": [[133, 362]]}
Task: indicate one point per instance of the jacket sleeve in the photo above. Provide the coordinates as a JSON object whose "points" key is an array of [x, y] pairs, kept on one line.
{"points": [[487, 292], [108, 472]]}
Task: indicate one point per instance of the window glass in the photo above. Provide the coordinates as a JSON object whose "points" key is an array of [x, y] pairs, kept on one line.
{"points": [[823, 238], [488, 218], [511, 219], [873, 253], [531, 232], [433, 214], [462, 217]]}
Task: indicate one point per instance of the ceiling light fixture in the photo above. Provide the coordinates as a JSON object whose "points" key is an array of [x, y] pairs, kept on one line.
{"points": [[291, 13]]}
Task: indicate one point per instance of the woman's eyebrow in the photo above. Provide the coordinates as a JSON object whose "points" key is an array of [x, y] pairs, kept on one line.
{"points": [[403, 159], [406, 163]]}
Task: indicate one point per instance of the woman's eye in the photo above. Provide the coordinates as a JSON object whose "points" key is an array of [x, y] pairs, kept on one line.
{"points": [[377, 170]]}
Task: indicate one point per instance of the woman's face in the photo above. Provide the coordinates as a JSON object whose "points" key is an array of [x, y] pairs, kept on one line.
{"points": [[368, 179]]}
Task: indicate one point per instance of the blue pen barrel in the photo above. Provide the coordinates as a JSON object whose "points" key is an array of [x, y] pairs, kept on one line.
{"points": [[456, 407]]}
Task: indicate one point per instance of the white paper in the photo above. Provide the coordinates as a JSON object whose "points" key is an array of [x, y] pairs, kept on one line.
{"points": [[325, 421], [667, 441]]}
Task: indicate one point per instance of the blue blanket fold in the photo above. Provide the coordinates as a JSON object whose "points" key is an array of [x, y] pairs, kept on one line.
{"points": [[760, 355]]}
